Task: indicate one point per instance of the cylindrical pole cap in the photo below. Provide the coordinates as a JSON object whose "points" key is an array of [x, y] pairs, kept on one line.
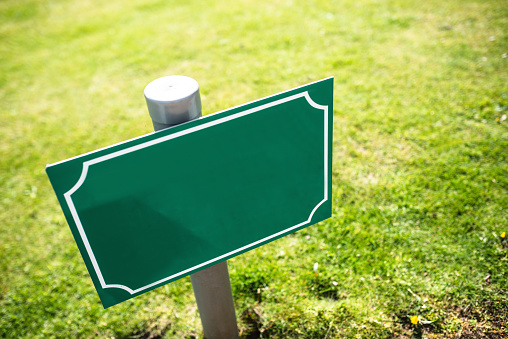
{"points": [[172, 100]]}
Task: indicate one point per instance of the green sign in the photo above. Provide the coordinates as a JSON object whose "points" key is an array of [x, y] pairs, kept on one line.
{"points": [[159, 207]]}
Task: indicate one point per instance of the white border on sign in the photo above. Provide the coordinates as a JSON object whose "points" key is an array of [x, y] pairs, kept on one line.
{"points": [[89, 163]]}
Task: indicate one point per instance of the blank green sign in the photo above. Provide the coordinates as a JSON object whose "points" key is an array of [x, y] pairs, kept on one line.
{"points": [[159, 207]]}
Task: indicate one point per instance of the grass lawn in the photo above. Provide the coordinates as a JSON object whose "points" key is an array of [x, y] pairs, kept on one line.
{"points": [[417, 244]]}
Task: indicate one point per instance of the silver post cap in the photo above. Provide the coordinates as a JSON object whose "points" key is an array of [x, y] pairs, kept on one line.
{"points": [[172, 100]]}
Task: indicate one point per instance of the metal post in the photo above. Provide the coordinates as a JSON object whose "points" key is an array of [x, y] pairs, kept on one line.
{"points": [[173, 100], [212, 290]]}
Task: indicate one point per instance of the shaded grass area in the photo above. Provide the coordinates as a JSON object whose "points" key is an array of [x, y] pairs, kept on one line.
{"points": [[420, 183]]}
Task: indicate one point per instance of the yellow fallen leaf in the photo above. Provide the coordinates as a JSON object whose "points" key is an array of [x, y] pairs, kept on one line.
{"points": [[414, 320]]}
